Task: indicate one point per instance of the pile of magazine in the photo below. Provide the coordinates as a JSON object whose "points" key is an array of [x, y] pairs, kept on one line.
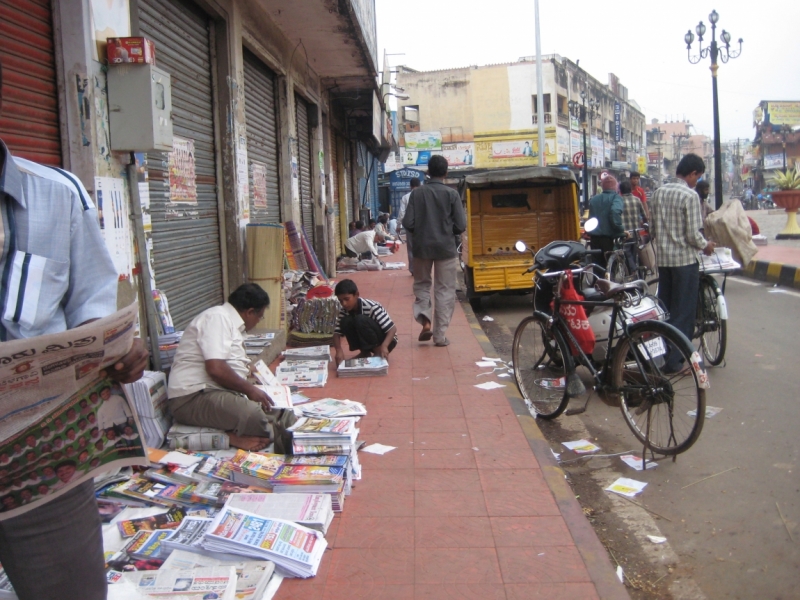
{"points": [[149, 397], [363, 367], [254, 344], [295, 549], [304, 373], [310, 353], [333, 409]]}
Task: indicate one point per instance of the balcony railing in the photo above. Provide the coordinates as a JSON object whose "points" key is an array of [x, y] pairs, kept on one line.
{"points": [[548, 118], [563, 119]]}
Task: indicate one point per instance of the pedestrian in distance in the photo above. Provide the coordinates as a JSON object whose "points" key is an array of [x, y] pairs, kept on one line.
{"points": [[676, 225], [606, 207], [638, 191], [47, 213], [435, 216], [364, 323], [363, 244], [414, 183]]}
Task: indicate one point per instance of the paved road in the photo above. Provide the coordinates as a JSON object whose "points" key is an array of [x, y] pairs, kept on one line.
{"points": [[726, 537]]}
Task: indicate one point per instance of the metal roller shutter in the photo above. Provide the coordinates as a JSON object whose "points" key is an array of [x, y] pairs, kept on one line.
{"points": [[304, 164], [262, 138], [29, 123], [186, 237], [337, 207], [348, 182]]}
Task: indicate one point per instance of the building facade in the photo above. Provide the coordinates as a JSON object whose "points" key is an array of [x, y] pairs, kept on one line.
{"points": [[276, 116], [487, 117], [777, 139]]}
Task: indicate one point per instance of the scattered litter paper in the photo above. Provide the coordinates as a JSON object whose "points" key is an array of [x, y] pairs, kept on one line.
{"points": [[656, 539], [556, 455], [504, 375], [710, 411], [634, 462], [485, 363], [620, 574], [552, 384], [490, 385], [581, 446], [626, 487], [180, 459], [378, 449], [491, 359], [487, 318]]}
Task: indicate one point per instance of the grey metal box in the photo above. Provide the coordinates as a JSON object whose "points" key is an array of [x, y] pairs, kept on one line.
{"points": [[140, 108]]}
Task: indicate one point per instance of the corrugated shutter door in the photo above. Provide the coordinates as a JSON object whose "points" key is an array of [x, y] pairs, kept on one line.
{"points": [[262, 138], [337, 207], [29, 121], [186, 240], [348, 188], [304, 164]]}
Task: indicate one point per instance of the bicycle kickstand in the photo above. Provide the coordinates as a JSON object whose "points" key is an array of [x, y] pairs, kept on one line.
{"points": [[581, 409]]}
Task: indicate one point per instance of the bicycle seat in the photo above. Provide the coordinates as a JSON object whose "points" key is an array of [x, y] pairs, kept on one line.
{"points": [[609, 289]]}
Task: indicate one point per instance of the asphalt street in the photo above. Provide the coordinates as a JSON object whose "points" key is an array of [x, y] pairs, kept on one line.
{"points": [[735, 534]]}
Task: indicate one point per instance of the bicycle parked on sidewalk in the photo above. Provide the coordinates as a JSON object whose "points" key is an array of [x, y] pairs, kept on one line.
{"points": [[665, 411], [623, 264], [711, 323]]}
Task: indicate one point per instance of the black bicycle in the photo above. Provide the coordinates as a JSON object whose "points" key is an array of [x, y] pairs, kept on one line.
{"points": [[622, 264], [664, 410]]}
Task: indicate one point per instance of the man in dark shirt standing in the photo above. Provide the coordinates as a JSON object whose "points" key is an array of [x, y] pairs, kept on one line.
{"points": [[435, 216]]}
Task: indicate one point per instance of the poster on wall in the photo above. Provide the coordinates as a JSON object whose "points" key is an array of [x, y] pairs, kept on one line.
{"points": [[563, 146], [459, 155], [259, 184], [575, 143], [182, 179], [112, 210], [242, 181], [515, 149], [295, 178], [423, 140]]}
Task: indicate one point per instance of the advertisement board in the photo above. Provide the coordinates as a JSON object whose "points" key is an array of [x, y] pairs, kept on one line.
{"points": [[784, 113], [521, 152], [598, 154], [459, 156], [773, 161], [423, 140], [563, 146]]}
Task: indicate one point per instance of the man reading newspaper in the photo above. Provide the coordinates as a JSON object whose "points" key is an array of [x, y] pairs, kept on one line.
{"points": [[56, 275]]}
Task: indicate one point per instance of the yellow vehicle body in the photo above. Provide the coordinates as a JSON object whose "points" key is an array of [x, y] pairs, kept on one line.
{"points": [[534, 204]]}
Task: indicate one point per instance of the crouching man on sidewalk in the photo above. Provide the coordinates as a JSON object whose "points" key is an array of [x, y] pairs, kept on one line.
{"points": [[208, 383], [365, 324]]}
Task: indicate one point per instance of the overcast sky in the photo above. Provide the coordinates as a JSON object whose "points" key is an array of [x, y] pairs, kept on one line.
{"points": [[641, 42]]}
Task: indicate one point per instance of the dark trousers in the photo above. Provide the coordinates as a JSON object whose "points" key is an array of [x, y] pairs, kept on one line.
{"points": [[56, 550], [604, 243], [678, 289], [351, 254], [363, 333]]}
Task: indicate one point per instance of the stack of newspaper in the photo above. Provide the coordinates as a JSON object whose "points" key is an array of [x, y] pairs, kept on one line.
{"points": [[294, 548], [333, 409], [316, 432], [254, 344], [197, 438], [252, 575], [195, 584], [310, 353], [364, 367], [304, 373], [149, 397], [314, 511], [318, 479]]}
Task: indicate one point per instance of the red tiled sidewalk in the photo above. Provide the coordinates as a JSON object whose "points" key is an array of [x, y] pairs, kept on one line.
{"points": [[462, 508]]}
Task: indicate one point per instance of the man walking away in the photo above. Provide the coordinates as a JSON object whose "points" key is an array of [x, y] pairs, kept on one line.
{"points": [[676, 224], [434, 217], [403, 206], [607, 209]]}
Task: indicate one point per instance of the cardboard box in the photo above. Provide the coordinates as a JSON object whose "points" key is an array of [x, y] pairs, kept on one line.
{"points": [[130, 50]]}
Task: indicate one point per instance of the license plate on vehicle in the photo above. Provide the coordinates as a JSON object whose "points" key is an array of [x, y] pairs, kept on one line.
{"points": [[654, 347]]}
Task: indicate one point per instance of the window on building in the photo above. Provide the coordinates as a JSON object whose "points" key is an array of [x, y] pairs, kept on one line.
{"points": [[411, 114], [547, 107], [562, 104]]}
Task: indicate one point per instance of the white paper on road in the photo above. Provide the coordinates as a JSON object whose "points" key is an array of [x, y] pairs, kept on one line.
{"points": [[634, 462], [492, 359], [581, 446], [620, 574], [378, 449], [626, 487], [490, 385], [485, 363], [487, 318], [504, 375], [710, 411], [656, 539]]}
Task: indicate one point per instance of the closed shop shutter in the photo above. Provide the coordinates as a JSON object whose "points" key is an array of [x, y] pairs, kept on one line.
{"points": [[304, 164], [262, 140], [348, 176], [337, 206], [186, 237], [29, 123]]}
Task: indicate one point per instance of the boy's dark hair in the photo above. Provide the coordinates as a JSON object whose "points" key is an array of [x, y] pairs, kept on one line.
{"points": [[247, 296], [625, 187], [635, 174], [372, 222], [384, 219], [703, 184], [346, 286], [689, 164], [359, 224], [414, 183], [437, 166]]}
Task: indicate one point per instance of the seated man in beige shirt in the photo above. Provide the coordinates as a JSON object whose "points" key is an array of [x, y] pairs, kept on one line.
{"points": [[208, 383]]}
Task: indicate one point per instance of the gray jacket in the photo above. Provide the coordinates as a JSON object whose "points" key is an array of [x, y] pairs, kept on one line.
{"points": [[435, 215]]}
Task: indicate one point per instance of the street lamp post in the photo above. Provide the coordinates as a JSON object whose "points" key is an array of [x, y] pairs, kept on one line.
{"points": [[582, 112], [724, 53]]}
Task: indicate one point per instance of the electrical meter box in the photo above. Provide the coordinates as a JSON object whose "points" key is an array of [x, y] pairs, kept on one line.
{"points": [[140, 108]]}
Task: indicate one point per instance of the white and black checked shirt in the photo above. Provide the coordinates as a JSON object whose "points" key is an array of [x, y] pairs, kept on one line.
{"points": [[371, 309], [55, 270], [675, 211], [632, 212]]}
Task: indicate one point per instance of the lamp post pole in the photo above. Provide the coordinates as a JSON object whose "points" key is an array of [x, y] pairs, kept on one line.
{"points": [[583, 113], [723, 53]]}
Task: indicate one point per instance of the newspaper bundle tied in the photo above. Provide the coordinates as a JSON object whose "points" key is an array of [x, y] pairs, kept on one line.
{"points": [[60, 421]]}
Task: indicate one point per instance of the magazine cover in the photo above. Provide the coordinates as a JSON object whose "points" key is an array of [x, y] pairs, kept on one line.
{"points": [[60, 422]]}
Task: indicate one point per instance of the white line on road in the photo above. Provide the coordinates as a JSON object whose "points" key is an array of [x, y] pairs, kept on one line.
{"points": [[779, 291], [744, 281]]}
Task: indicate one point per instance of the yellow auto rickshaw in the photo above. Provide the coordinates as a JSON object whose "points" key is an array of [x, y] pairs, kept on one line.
{"points": [[534, 204]]}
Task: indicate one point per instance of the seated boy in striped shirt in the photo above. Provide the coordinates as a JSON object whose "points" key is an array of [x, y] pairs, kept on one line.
{"points": [[364, 323]]}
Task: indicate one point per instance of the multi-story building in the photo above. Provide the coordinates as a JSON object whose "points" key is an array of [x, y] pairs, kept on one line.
{"points": [[486, 117], [777, 140], [670, 141], [276, 115]]}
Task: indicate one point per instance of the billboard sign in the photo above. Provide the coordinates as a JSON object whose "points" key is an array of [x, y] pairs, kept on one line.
{"points": [[617, 121], [773, 161], [423, 140], [459, 156], [784, 113]]}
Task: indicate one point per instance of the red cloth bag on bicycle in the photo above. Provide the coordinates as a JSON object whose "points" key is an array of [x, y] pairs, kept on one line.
{"points": [[575, 316]]}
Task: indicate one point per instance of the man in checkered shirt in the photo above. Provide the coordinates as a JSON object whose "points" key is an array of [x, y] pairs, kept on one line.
{"points": [[676, 223]]}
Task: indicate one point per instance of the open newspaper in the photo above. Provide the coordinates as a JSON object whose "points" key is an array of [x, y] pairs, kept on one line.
{"points": [[61, 423], [252, 575], [179, 584]]}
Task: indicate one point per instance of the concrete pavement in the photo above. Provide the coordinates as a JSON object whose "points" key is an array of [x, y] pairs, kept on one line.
{"points": [[471, 503], [779, 261]]}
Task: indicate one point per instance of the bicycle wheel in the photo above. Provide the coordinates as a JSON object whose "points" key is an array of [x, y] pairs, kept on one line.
{"points": [[664, 411], [713, 329], [539, 367], [617, 270]]}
